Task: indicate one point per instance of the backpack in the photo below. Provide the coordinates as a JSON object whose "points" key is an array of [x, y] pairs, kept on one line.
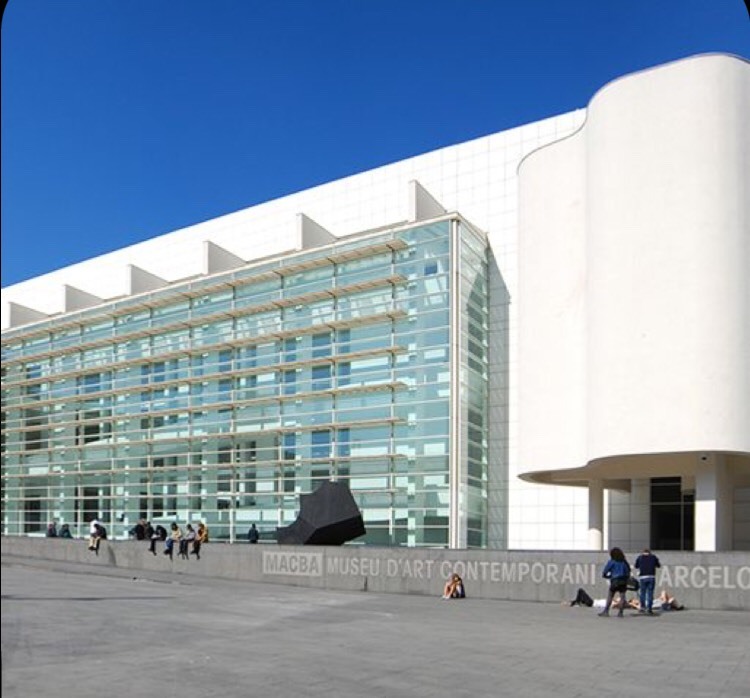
{"points": [[633, 584]]}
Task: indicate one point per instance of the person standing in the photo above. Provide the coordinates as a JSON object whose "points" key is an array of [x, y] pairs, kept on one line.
{"points": [[647, 563], [617, 570], [252, 535]]}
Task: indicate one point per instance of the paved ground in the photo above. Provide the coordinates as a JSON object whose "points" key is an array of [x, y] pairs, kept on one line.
{"points": [[84, 632]]}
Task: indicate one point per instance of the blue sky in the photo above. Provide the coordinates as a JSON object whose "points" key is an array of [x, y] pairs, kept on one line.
{"points": [[126, 119]]}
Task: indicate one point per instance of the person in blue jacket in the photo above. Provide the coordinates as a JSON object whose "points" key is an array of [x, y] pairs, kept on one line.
{"points": [[617, 570]]}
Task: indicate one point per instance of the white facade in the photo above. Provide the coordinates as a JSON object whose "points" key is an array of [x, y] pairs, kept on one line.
{"points": [[634, 295], [621, 169]]}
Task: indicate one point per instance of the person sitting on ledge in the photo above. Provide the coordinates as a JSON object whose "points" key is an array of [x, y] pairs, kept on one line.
{"points": [[454, 588]]}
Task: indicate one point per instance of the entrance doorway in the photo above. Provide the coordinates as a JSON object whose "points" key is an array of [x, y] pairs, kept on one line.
{"points": [[672, 515]]}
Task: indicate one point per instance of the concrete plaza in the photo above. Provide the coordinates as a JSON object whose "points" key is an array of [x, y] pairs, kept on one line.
{"points": [[73, 630]]}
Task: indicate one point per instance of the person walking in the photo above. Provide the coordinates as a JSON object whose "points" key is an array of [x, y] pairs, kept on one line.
{"points": [[617, 570], [647, 563]]}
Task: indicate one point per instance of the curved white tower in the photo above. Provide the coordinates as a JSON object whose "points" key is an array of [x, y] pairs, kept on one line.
{"points": [[634, 263]]}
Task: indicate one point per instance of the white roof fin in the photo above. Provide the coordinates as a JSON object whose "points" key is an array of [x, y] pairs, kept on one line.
{"points": [[216, 259], [139, 280], [422, 205], [76, 299], [21, 315], [311, 234]]}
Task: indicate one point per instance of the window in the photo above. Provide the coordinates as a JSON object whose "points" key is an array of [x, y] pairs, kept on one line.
{"points": [[321, 377], [672, 515], [321, 444], [344, 338], [290, 382], [290, 349], [343, 445], [321, 344], [289, 451]]}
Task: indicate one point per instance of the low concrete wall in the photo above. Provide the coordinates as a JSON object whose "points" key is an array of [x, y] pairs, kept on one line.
{"points": [[698, 580]]}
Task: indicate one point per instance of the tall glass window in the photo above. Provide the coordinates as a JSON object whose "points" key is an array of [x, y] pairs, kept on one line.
{"points": [[225, 398]]}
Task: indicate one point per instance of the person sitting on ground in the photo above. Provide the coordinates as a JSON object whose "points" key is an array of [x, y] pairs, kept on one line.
{"points": [[65, 531], [454, 588], [633, 603], [583, 599], [667, 602], [52, 530]]}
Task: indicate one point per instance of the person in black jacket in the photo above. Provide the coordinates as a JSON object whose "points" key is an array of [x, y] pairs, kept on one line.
{"points": [[160, 533], [252, 535], [581, 599], [646, 564], [139, 530]]}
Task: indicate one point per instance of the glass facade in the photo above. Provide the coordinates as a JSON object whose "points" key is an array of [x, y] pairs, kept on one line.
{"points": [[224, 398]]}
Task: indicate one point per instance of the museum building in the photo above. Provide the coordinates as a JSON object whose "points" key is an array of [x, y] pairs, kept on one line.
{"points": [[537, 339]]}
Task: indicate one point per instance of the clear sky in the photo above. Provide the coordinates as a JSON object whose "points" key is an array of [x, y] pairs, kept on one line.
{"points": [[126, 119]]}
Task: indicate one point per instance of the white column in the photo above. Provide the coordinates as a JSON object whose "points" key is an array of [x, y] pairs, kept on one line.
{"points": [[456, 474], [713, 504], [596, 514]]}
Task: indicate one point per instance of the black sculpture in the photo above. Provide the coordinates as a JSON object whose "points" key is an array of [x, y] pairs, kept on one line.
{"points": [[328, 516]]}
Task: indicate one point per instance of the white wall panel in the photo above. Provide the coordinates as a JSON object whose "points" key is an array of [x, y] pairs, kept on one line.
{"points": [[654, 318]]}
